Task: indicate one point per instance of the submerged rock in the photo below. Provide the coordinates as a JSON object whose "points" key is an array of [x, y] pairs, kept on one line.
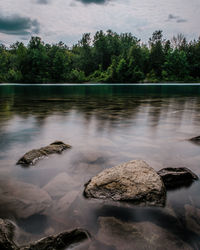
{"points": [[177, 177], [54, 242], [90, 156], [133, 181], [138, 235], [6, 235], [60, 208], [59, 241], [22, 199], [192, 217], [34, 155], [60, 185], [195, 140]]}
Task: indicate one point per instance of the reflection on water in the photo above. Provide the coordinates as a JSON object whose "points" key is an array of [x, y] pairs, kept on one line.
{"points": [[106, 125]]}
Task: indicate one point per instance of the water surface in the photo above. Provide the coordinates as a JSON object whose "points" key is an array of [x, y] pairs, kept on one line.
{"points": [[106, 125]]}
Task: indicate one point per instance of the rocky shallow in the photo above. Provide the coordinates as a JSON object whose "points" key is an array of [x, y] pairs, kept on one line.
{"points": [[137, 235], [53, 242], [134, 182], [22, 199]]}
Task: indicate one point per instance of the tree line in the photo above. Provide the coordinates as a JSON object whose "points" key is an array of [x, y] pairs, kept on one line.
{"points": [[107, 57]]}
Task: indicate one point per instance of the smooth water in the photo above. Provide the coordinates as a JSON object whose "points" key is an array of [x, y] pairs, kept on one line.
{"points": [[106, 125]]}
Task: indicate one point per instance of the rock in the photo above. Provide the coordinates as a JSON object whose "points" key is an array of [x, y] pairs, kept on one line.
{"points": [[6, 235], [195, 140], [22, 199], [192, 217], [60, 185], [90, 156], [54, 242], [177, 177], [82, 172], [60, 241], [133, 181], [61, 207], [139, 235], [93, 245], [34, 155]]}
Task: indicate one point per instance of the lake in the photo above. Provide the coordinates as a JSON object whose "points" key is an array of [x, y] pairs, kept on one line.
{"points": [[106, 125]]}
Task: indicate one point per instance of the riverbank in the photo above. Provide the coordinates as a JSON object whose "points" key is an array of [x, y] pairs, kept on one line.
{"points": [[106, 57]]}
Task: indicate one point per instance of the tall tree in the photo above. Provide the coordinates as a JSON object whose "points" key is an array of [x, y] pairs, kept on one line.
{"points": [[36, 68], [156, 53]]}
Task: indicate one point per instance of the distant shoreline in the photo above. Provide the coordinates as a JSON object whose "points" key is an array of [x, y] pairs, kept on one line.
{"points": [[107, 57], [99, 83]]}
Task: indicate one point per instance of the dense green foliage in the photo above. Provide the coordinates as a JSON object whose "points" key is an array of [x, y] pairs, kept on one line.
{"points": [[108, 57]]}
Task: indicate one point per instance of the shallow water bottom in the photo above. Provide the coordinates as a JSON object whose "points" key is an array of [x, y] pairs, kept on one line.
{"points": [[106, 126]]}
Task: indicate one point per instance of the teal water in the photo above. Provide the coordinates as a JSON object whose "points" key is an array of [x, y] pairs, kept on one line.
{"points": [[106, 125]]}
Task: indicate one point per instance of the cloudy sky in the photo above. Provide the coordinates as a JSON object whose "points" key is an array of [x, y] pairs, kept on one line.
{"points": [[67, 20]]}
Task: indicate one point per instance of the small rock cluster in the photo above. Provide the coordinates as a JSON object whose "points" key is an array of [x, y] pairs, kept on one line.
{"points": [[134, 182], [59, 241], [137, 182]]}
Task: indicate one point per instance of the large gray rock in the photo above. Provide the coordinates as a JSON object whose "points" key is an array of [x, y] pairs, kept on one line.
{"points": [[139, 235], [133, 181], [34, 155], [177, 177], [22, 199], [6, 235]]}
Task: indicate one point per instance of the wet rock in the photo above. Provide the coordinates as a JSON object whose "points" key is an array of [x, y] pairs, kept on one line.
{"points": [[195, 140], [60, 241], [192, 217], [54, 242], [139, 235], [22, 199], [6, 235], [177, 177], [60, 185], [133, 181], [34, 155]]}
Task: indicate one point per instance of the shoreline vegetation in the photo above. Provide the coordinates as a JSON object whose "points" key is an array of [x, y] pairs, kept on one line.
{"points": [[108, 57]]}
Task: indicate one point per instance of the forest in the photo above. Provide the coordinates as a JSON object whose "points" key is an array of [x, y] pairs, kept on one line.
{"points": [[106, 57]]}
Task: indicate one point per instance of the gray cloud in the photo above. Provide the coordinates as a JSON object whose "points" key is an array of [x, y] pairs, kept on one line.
{"points": [[93, 1], [172, 17], [17, 25], [180, 20], [82, 1], [43, 1]]}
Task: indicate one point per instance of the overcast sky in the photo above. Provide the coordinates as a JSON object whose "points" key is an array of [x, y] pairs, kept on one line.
{"points": [[67, 20]]}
